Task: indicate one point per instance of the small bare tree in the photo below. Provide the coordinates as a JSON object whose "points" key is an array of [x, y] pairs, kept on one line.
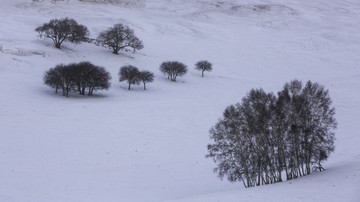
{"points": [[130, 74], [146, 77], [203, 66], [119, 37]]}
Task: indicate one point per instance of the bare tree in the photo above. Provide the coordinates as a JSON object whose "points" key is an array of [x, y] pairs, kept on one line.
{"points": [[53, 78], [98, 80], [203, 66], [318, 124], [60, 30], [130, 74], [146, 77], [119, 37]]}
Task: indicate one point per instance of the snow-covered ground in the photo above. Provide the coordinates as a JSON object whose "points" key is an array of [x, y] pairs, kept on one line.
{"points": [[150, 145]]}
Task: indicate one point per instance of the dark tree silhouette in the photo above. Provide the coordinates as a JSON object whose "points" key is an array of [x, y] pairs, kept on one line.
{"points": [[60, 30], [98, 80], [67, 76], [80, 73], [146, 77], [53, 78], [119, 37], [130, 74], [264, 135], [245, 127], [88, 76], [173, 69], [203, 66], [317, 124], [77, 77]]}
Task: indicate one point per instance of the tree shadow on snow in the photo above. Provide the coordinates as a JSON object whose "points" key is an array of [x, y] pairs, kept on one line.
{"points": [[73, 95]]}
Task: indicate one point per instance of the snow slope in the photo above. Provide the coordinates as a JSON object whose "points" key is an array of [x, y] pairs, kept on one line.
{"points": [[150, 145]]}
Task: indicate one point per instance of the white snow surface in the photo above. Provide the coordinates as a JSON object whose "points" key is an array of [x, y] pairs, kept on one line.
{"points": [[137, 145]]}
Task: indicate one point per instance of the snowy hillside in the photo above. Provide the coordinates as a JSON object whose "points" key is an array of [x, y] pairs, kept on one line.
{"points": [[150, 145]]}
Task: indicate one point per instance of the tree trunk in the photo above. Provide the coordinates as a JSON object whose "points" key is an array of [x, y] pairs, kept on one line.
{"points": [[259, 176], [320, 166], [79, 89], [116, 50], [58, 45], [289, 175], [129, 86], [302, 169], [299, 171], [144, 86], [202, 75], [83, 91]]}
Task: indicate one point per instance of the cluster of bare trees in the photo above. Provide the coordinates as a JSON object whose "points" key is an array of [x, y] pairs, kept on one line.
{"points": [[82, 77], [132, 75], [266, 137], [85, 77], [119, 37], [173, 69]]}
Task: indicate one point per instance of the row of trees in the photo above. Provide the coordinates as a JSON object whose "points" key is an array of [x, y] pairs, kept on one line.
{"points": [[132, 75], [116, 38], [266, 136], [82, 77], [173, 69], [85, 77]]}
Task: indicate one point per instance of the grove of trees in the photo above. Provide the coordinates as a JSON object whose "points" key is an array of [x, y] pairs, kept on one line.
{"points": [[173, 69], [258, 141], [265, 136], [82, 77], [60, 30], [119, 37]]}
